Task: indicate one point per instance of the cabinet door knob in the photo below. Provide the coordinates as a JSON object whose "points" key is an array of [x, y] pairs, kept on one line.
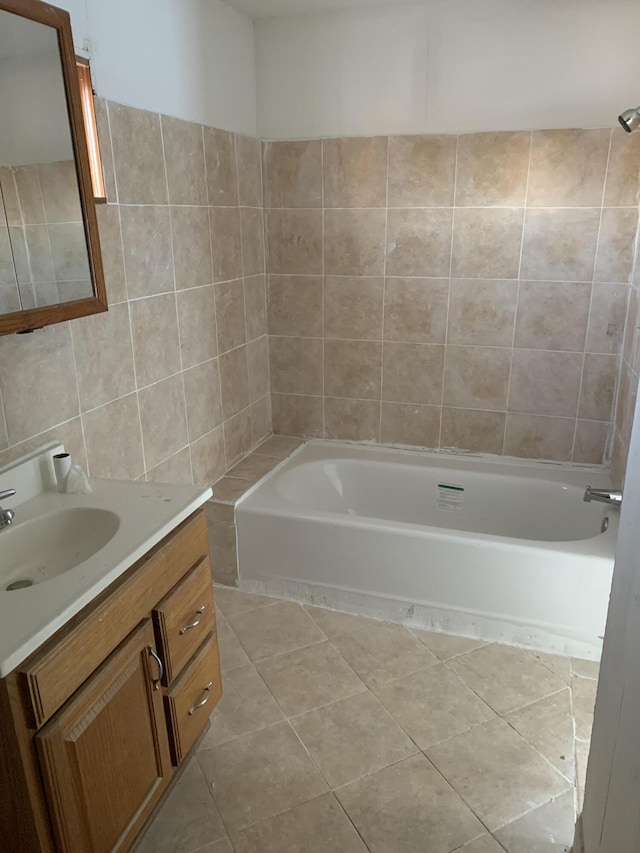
{"points": [[202, 701], [156, 681], [195, 622]]}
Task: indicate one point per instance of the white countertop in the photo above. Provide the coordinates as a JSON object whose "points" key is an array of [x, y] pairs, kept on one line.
{"points": [[147, 513]]}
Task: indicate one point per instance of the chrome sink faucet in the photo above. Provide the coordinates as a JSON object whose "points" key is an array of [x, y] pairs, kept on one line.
{"points": [[605, 496], [6, 515]]}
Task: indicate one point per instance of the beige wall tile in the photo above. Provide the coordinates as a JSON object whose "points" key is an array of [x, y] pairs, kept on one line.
{"points": [[293, 174], [220, 160], [352, 369], [486, 243], [261, 423], [355, 172], [598, 387], [252, 226], [258, 368], [354, 242], [238, 436], [203, 398], [294, 414], [296, 365], [535, 437], [623, 174], [492, 169], [412, 373], [255, 306], [60, 192], [137, 152], [226, 245], [29, 194], [184, 159], [208, 457], [234, 381], [197, 325], [294, 242], [113, 440], [415, 310], [607, 318], [545, 383], [156, 346], [406, 423], [176, 469], [104, 356], [560, 245], [353, 307], [419, 242], [626, 404], [39, 254], [230, 314], [295, 305], [421, 170], [163, 435], [224, 561], [69, 251], [146, 240], [249, 171], [106, 149], [567, 167], [552, 315], [69, 434], [469, 429], [616, 242], [111, 247], [476, 377], [352, 420], [191, 246], [482, 312], [590, 442]]}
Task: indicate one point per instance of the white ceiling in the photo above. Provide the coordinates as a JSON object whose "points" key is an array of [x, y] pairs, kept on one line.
{"points": [[279, 8]]}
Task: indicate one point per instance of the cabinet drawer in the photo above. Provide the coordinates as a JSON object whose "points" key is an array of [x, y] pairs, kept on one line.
{"points": [[184, 618], [192, 699]]}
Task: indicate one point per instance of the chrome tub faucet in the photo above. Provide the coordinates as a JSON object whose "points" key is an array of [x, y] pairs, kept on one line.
{"points": [[6, 515], [605, 496]]}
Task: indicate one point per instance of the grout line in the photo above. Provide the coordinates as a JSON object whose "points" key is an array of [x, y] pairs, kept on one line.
{"points": [[76, 372], [446, 325]]}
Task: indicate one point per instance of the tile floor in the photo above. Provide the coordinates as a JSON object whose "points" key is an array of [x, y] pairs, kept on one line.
{"points": [[338, 734]]}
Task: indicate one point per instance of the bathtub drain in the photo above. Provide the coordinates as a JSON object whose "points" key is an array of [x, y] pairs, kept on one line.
{"points": [[21, 584]]}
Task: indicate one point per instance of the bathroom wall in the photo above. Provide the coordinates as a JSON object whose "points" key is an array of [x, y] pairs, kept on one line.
{"points": [[172, 382], [451, 291], [440, 67]]}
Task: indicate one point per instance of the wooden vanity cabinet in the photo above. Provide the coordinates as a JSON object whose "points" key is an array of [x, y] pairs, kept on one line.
{"points": [[102, 717]]}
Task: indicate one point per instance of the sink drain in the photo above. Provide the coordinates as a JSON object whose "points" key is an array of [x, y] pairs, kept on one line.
{"points": [[21, 584]]}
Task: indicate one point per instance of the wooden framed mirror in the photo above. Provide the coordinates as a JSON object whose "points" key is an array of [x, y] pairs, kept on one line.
{"points": [[50, 261]]}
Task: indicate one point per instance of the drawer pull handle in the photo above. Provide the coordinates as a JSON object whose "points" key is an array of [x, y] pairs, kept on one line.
{"points": [[195, 622], [156, 681], [202, 701]]}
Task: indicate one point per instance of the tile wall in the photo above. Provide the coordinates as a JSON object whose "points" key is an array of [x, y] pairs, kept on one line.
{"points": [[451, 291], [173, 382]]}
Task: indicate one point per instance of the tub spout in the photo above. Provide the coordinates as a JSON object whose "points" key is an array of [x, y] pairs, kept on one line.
{"points": [[605, 496]]}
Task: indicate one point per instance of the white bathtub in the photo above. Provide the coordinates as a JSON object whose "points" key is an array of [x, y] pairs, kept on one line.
{"points": [[493, 548]]}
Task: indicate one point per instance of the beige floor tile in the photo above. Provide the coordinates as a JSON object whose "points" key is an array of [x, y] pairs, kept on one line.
{"points": [[559, 665], [408, 808], [506, 678], [548, 829], [497, 772], [585, 668], [222, 846], [309, 677], [246, 706], [582, 759], [333, 623], [188, 819], [548, 726], [352, 738], [232, 655], [279, 446], [446, 646], [584, 699], [259, 775], [380, 653], [318, 826], [232, 601], [484, 844], [274, 630], [433, 705]]}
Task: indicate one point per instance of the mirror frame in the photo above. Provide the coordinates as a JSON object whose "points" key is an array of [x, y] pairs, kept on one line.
{"points": [[36, 318]]}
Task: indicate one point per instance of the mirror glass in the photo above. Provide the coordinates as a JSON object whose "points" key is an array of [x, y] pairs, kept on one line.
{"points": [[44, 258]]}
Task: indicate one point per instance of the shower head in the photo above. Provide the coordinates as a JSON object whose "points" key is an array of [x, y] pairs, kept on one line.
{"points": [[630, 120]]}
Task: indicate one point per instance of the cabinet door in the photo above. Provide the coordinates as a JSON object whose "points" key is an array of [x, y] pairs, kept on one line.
{"points": [[105, 755]]}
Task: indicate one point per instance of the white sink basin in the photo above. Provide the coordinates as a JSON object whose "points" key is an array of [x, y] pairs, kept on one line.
{"points": [[45, 547]]}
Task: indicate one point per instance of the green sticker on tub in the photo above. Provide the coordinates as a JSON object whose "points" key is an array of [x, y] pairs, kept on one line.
{"points": [[450, 496]]}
